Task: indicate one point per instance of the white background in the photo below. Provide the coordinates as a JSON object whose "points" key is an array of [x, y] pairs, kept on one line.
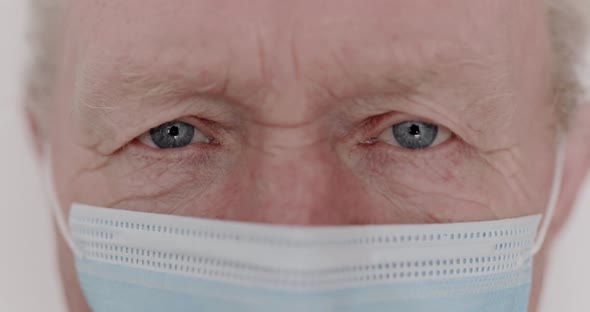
{"points": [[28, 278]]}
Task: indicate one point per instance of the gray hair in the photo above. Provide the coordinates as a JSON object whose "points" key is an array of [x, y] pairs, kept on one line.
{"points": [[44, 37], [569, 23], [570, 33]]}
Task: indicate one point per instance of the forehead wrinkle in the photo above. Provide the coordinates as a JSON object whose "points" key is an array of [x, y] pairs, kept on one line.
{"points": [[431, 77], [386, 64], [472, 96], [92, 106], [111, 97]]}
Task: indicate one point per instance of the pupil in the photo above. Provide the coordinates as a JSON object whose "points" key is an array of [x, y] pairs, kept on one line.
{"points": [[415, 130], [174, 131]]}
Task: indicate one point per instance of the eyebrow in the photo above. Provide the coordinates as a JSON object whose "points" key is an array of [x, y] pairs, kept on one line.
{"points": [[133, 81], [98, 87], [101, 88], [101, 84], [144, 79]]}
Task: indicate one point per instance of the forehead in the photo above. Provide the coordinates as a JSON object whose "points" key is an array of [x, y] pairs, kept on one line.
{"points": [[270, 34], [269, 54], [187, 16]]}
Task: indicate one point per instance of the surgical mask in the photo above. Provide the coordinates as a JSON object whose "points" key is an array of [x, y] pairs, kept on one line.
{"points": [[135, 261]]}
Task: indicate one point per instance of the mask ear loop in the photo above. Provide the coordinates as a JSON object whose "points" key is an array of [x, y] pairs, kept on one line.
{"points": [[552, 203], [56, 211]]}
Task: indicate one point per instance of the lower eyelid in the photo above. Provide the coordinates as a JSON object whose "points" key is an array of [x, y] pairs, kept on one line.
{"points": [[195, 152], [380, 158], [394, 151]]}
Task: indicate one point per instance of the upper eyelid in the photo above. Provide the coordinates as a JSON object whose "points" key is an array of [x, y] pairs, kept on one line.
{"points": [[401, 118], [372, 127], [377, 124], [197, 123]]}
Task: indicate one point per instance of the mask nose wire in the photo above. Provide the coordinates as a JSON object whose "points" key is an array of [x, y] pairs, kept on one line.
{"points": [[56, 210], [551, 204]]}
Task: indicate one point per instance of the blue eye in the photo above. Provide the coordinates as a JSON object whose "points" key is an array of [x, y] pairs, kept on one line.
{"points": [[415, 134], [174, 134]]}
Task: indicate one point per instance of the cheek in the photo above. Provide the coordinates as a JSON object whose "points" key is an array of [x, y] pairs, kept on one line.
{"points": [[133, 181], [448, 184]]}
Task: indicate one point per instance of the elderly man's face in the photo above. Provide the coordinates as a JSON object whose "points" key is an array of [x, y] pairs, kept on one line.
{"points": [[307, 112]]}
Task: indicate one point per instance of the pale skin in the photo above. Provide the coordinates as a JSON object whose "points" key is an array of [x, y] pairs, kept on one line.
{"points": [[294, 102]]}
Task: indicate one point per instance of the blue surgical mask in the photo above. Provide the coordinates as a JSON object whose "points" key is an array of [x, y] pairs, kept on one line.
{"points": [[135, 261]]}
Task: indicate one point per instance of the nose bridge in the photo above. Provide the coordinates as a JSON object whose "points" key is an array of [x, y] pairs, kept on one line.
{"points": [[294, 184], [300, 175]]}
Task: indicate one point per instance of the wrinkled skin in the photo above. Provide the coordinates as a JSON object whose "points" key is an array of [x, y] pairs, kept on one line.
{"points": [[299, 98]]}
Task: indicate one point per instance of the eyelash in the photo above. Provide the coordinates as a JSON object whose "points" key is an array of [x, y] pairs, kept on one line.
{"points": [[375, 126], [204, 126], [370, 131]]}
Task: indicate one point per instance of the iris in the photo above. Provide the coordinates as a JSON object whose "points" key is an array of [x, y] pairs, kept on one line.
{"points": [[174, 134], [415, 134]]}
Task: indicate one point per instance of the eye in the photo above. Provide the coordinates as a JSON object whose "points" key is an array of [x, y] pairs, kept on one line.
{"points": [[415, 135], [174, 134]]}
